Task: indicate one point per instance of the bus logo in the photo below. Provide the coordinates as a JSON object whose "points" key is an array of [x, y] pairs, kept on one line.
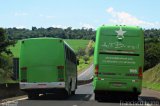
{"points": [[120, 33]]}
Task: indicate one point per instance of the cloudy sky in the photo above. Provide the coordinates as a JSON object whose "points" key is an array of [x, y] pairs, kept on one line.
{"points": [[79, 13]]}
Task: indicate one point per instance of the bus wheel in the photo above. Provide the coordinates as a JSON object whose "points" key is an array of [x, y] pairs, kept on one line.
{"points": [[96, 96], [65, 95], [70, 88], [32, 95], [73, 92]]}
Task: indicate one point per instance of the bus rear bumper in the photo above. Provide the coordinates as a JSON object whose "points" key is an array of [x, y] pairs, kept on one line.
{"points": [[116, 93], [41, 85], [117, 85]]}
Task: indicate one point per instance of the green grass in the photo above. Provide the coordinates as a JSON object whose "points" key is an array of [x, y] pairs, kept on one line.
{"points": [[15, 49], [150, 85], [6, 80], [82, 66], [152, 75], [151, 78], [75, 44]]}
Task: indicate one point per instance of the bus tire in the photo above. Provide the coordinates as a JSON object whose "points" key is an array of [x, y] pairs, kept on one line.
{"points": [[65, 95], [73, 92], [70, 88], [96, 96]]}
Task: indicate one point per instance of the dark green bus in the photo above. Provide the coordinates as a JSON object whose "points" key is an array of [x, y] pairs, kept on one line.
{"points": [[47, 65], [118, 61]]}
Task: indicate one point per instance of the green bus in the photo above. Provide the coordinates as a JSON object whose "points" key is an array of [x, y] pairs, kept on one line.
{"points": [[47, 65], [118, 61]]}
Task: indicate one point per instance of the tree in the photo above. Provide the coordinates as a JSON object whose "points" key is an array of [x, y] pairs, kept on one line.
{"points": [[89, 49], [81, 52], [5, 60], [86, 58], [34, 28], [152, 54], [4, 43]]}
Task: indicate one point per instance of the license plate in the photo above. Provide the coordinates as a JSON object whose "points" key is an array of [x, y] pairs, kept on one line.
{"points": [[118, 85], [42, 85]]}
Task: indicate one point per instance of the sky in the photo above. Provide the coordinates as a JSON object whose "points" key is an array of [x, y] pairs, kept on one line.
{"points": [[79, 13]]}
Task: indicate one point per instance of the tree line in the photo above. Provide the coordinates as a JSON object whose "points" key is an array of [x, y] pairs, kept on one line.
{"points": [[152, 38], [9, 36], [68, 33]]}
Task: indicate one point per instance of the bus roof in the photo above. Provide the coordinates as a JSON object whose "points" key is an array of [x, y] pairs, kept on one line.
{"points": [[48, 38], [111, 30]]}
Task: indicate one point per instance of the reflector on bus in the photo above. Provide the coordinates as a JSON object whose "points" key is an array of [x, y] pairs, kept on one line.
{"points": [[23, 68], [96, 70], [140, 72], [60, 67]]}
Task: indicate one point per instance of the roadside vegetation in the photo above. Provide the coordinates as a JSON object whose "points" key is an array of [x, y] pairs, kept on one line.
{"points": [[151, 78], [5, 57], [85, 56], [77, 43]]}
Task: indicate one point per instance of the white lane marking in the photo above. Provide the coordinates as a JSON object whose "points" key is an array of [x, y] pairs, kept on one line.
{"points": [[92, 97], [75, 105], [11, 102], [84, 85], [22, 98], [85, 71], [148, 104]]}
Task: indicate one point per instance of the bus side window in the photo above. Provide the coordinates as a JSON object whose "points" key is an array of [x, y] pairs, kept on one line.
{"points": [[65, 51], [72, 56]]}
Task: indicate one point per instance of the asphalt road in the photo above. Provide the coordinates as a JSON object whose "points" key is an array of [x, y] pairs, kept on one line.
{"points": [[85, 97], [87, 74]]}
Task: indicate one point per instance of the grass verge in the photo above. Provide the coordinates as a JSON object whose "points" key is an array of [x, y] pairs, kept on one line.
{"points": [[153, 86], [82, 65], [151, 78]]}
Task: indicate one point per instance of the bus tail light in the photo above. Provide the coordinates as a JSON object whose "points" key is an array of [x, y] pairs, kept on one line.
{"points": [[60, 67], [140, 72], [23, 68], [60, 73], [99, 78], [96, 70]]}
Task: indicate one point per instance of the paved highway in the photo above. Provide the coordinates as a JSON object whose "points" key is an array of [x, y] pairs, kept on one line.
{"points": [[86, 75], [85, 97]]}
